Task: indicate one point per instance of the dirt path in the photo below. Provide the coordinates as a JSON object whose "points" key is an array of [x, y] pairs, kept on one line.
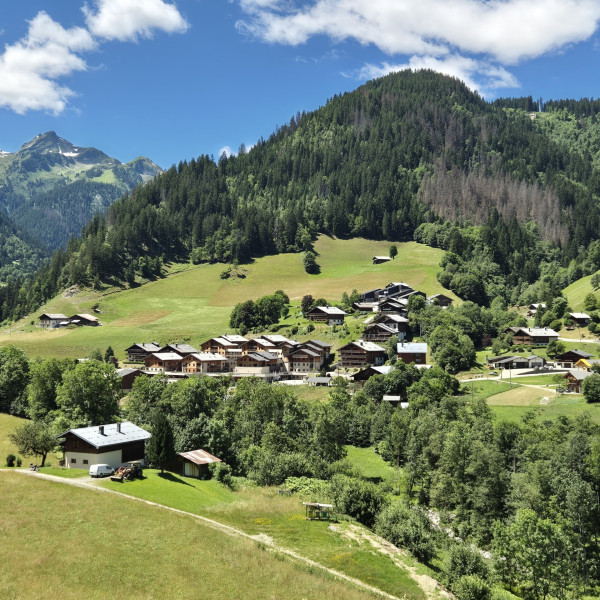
{"points": [[432, 588], [227, 529]]}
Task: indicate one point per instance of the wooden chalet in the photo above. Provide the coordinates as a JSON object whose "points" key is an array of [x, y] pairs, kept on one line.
{"points": [[395, 288], [84, 320], [114, 444], [370, 295], [587, 363], [219, 345], [360, 354], [52, 320], [440, 300], [377, 260], [365, 374], [327, 314], [568, 359], [517, 362], [396, 322], [580, 319], [258, 345], [204, 363], [258, 364], [163, 362], [304, 360], [138, 352], [180, 349], [128, 376], [412, 352], [195, 463], [532, 336], [378, 332], [533, 308], [392, 306], [575, 379]]}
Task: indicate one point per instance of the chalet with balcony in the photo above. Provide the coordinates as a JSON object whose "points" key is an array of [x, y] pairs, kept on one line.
{"points": [[258, 364], [52, 320], [327, 314], [205, 363], [84, 320], [568, 359], [412, 352], [533, 308], [580, 319], [392, 306], [139, 352], [517, 362], [181, 349], [360, 354], [128, 376], [114, 444], [532, 336], [163, 362], [378, 332], [304, 360], [258, 345], [369, 371], [575, 379]]}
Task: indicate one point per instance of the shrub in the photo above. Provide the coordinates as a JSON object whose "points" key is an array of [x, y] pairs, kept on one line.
{"points": [[19, 461], [10, 460], [408, 527], [463, 560], [359, 499], [222, 473], [472, 587]]}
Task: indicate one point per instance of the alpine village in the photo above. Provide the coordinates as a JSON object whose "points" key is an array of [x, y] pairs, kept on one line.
{"points": [[360, 358]]}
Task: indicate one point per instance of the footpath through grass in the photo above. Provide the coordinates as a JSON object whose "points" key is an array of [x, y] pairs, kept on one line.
{"points": [[66, 543], [262, 511]]}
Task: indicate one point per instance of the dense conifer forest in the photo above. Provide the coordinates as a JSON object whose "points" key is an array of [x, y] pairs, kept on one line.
{"points": [[408, 152]]}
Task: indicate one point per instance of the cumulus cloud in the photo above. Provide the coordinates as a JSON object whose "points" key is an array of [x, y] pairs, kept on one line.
{"points": [[506, 30], [127, 20], [477, 75], [31, 68], [226, 150]]}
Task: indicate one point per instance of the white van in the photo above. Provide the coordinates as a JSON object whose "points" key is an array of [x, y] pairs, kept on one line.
{"points": [[101, 470]]}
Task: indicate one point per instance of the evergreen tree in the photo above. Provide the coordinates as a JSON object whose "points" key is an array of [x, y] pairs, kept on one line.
{"points": [[161, 446]]}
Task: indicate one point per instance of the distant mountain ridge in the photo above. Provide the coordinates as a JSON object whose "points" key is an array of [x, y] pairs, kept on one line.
{"points": [[50, 188]]}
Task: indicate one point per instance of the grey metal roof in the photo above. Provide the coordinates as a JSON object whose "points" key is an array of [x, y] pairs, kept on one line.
{"points": [[412, 347], [53, 316], [110, 436], [199, 457], [329, 310]]}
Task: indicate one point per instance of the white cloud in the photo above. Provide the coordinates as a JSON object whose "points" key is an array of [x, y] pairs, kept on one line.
{"points": [[29, 68], [127, 20], [477, 75], [506, 30], [226, 150]]}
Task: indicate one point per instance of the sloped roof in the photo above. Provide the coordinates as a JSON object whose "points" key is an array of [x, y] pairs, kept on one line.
{"points": [[329, 310], [151, 347], [52, 316], [236, 339], [181, 348], [206, 356], [110, 436], [85, 316], [199, 457], [166, 355], [412, 348], [576, 315], [368, 346], [262, 356], [580, 353], [535, 331], [580, 374]]}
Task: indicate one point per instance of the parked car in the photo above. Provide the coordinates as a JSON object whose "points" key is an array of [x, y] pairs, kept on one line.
{"points": [[101, 470]]}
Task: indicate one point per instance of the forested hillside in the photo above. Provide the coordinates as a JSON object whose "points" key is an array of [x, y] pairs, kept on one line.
{"points": [[401, 151]]}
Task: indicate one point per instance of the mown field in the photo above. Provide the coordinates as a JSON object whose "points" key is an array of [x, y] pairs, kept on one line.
{"points": [[577, 291], [61, 542], [193, 303]]}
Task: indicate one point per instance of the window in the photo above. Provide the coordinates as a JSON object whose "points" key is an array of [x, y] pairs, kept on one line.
{"points": [[85, 462], [73, 461]]}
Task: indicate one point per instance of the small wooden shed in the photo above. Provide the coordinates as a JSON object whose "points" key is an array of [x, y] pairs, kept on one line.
{"points": [[195, 463]]}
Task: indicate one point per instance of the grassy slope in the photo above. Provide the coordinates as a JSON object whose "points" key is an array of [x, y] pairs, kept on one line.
{"points": [[8, 424], [195, 303], [98, 546], [577, 291]]}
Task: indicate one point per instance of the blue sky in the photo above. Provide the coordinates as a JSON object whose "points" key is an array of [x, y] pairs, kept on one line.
{"points": [[173, 81]]}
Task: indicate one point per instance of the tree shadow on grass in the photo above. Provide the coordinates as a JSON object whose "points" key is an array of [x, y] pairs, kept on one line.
{"points": [[173, 478]]}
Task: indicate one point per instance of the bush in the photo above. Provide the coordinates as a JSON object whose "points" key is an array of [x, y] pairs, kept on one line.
{"points": [[471, 587], [10, 460], [222, 473], [463, 560], [19, 461], [408, 527], [359, 499]]}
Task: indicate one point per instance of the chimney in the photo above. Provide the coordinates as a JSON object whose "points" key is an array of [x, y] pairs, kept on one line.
{"points": [[101, 429], [119, 427]]}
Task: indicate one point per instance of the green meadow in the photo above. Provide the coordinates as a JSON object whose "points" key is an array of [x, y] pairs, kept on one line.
{"points": [[61, 542], [192, 303]]}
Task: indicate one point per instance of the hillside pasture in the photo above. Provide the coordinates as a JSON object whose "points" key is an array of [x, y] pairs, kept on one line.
{"points": [[193, 303], [130, 550]]}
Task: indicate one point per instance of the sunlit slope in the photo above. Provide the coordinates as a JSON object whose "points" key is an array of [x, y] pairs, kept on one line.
{"points": [[195, 303]]}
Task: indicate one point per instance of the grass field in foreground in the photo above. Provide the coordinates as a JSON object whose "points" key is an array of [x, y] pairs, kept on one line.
{"points": [[257, 510], [194, 303], [8, 424], [65, 543]]}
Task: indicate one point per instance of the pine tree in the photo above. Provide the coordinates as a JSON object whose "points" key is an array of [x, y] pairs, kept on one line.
{"points": [[161, 447]]}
